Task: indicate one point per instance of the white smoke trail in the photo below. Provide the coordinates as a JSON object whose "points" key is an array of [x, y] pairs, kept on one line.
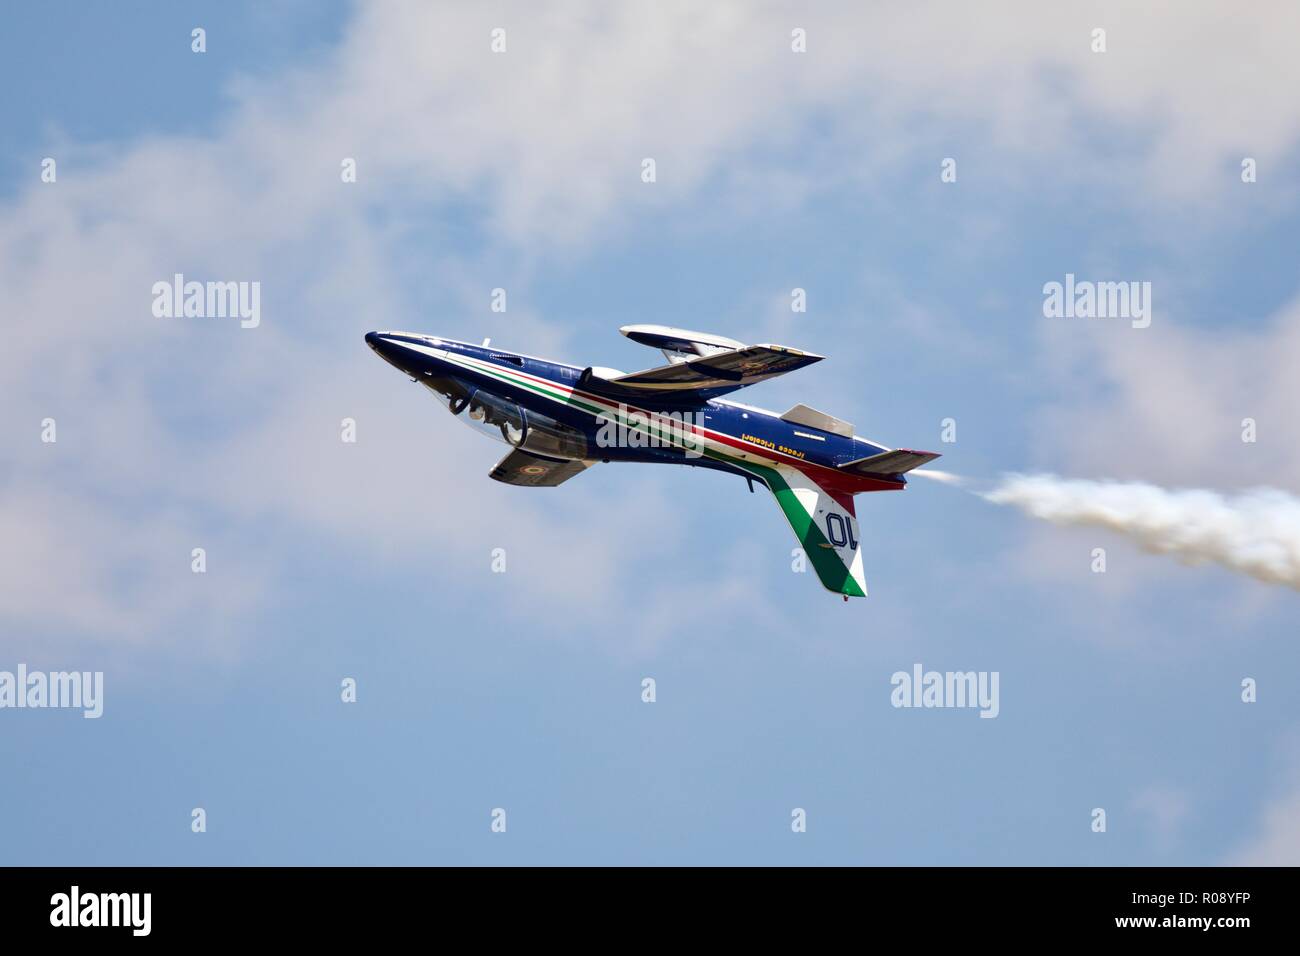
{"points": [[1256, 532], [947, 477]]}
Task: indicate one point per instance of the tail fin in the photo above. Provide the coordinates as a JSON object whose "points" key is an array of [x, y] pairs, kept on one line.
{"points": [[825, 525]]}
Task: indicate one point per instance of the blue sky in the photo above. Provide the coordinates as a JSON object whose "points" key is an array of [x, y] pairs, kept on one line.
{"points": [[522, 690]]}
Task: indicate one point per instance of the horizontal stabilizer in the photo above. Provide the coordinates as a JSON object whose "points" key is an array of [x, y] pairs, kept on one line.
{"points": [[894, 462], [521, 468], [810, 417]]}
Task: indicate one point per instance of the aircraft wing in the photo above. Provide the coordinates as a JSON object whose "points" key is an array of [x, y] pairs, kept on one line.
{"points": [[521, 468], [824, 524], [704, 376]]}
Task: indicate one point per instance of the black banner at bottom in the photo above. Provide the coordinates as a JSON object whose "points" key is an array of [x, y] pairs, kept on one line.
{"points": [[368, 905]]}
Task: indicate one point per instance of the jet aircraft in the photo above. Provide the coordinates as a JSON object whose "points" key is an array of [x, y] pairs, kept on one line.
{"points": [[561, 419]]}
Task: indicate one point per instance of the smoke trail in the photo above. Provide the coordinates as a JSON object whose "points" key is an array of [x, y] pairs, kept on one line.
{"points": [[947, 477], [1256, 532]]}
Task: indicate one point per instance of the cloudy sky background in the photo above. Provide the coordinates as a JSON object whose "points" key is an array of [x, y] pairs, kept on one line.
{"points": [[775, 170]]}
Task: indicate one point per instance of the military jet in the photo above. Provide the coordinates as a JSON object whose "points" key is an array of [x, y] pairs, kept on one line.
{"points": [[562, 419]]}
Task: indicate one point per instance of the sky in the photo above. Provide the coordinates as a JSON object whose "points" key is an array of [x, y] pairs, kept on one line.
{"points": [[522, 691]]}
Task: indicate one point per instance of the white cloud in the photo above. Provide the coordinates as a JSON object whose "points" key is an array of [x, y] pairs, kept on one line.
{"points": [[552, 131], [82, 564], [1167, 403]]}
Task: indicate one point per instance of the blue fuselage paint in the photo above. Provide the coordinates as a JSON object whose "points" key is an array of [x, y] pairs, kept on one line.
{"points": [[472, 368]]}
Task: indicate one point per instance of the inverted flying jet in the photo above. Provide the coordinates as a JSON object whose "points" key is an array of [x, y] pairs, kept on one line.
{"points": [[562, 419]]}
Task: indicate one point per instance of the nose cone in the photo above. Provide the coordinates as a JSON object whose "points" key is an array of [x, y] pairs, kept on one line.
{"points": [[385, 345], [388, 349], [405, 351]]}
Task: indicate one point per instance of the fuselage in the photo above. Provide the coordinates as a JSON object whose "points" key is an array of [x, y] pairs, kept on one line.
{"points": [[543, 407]]}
